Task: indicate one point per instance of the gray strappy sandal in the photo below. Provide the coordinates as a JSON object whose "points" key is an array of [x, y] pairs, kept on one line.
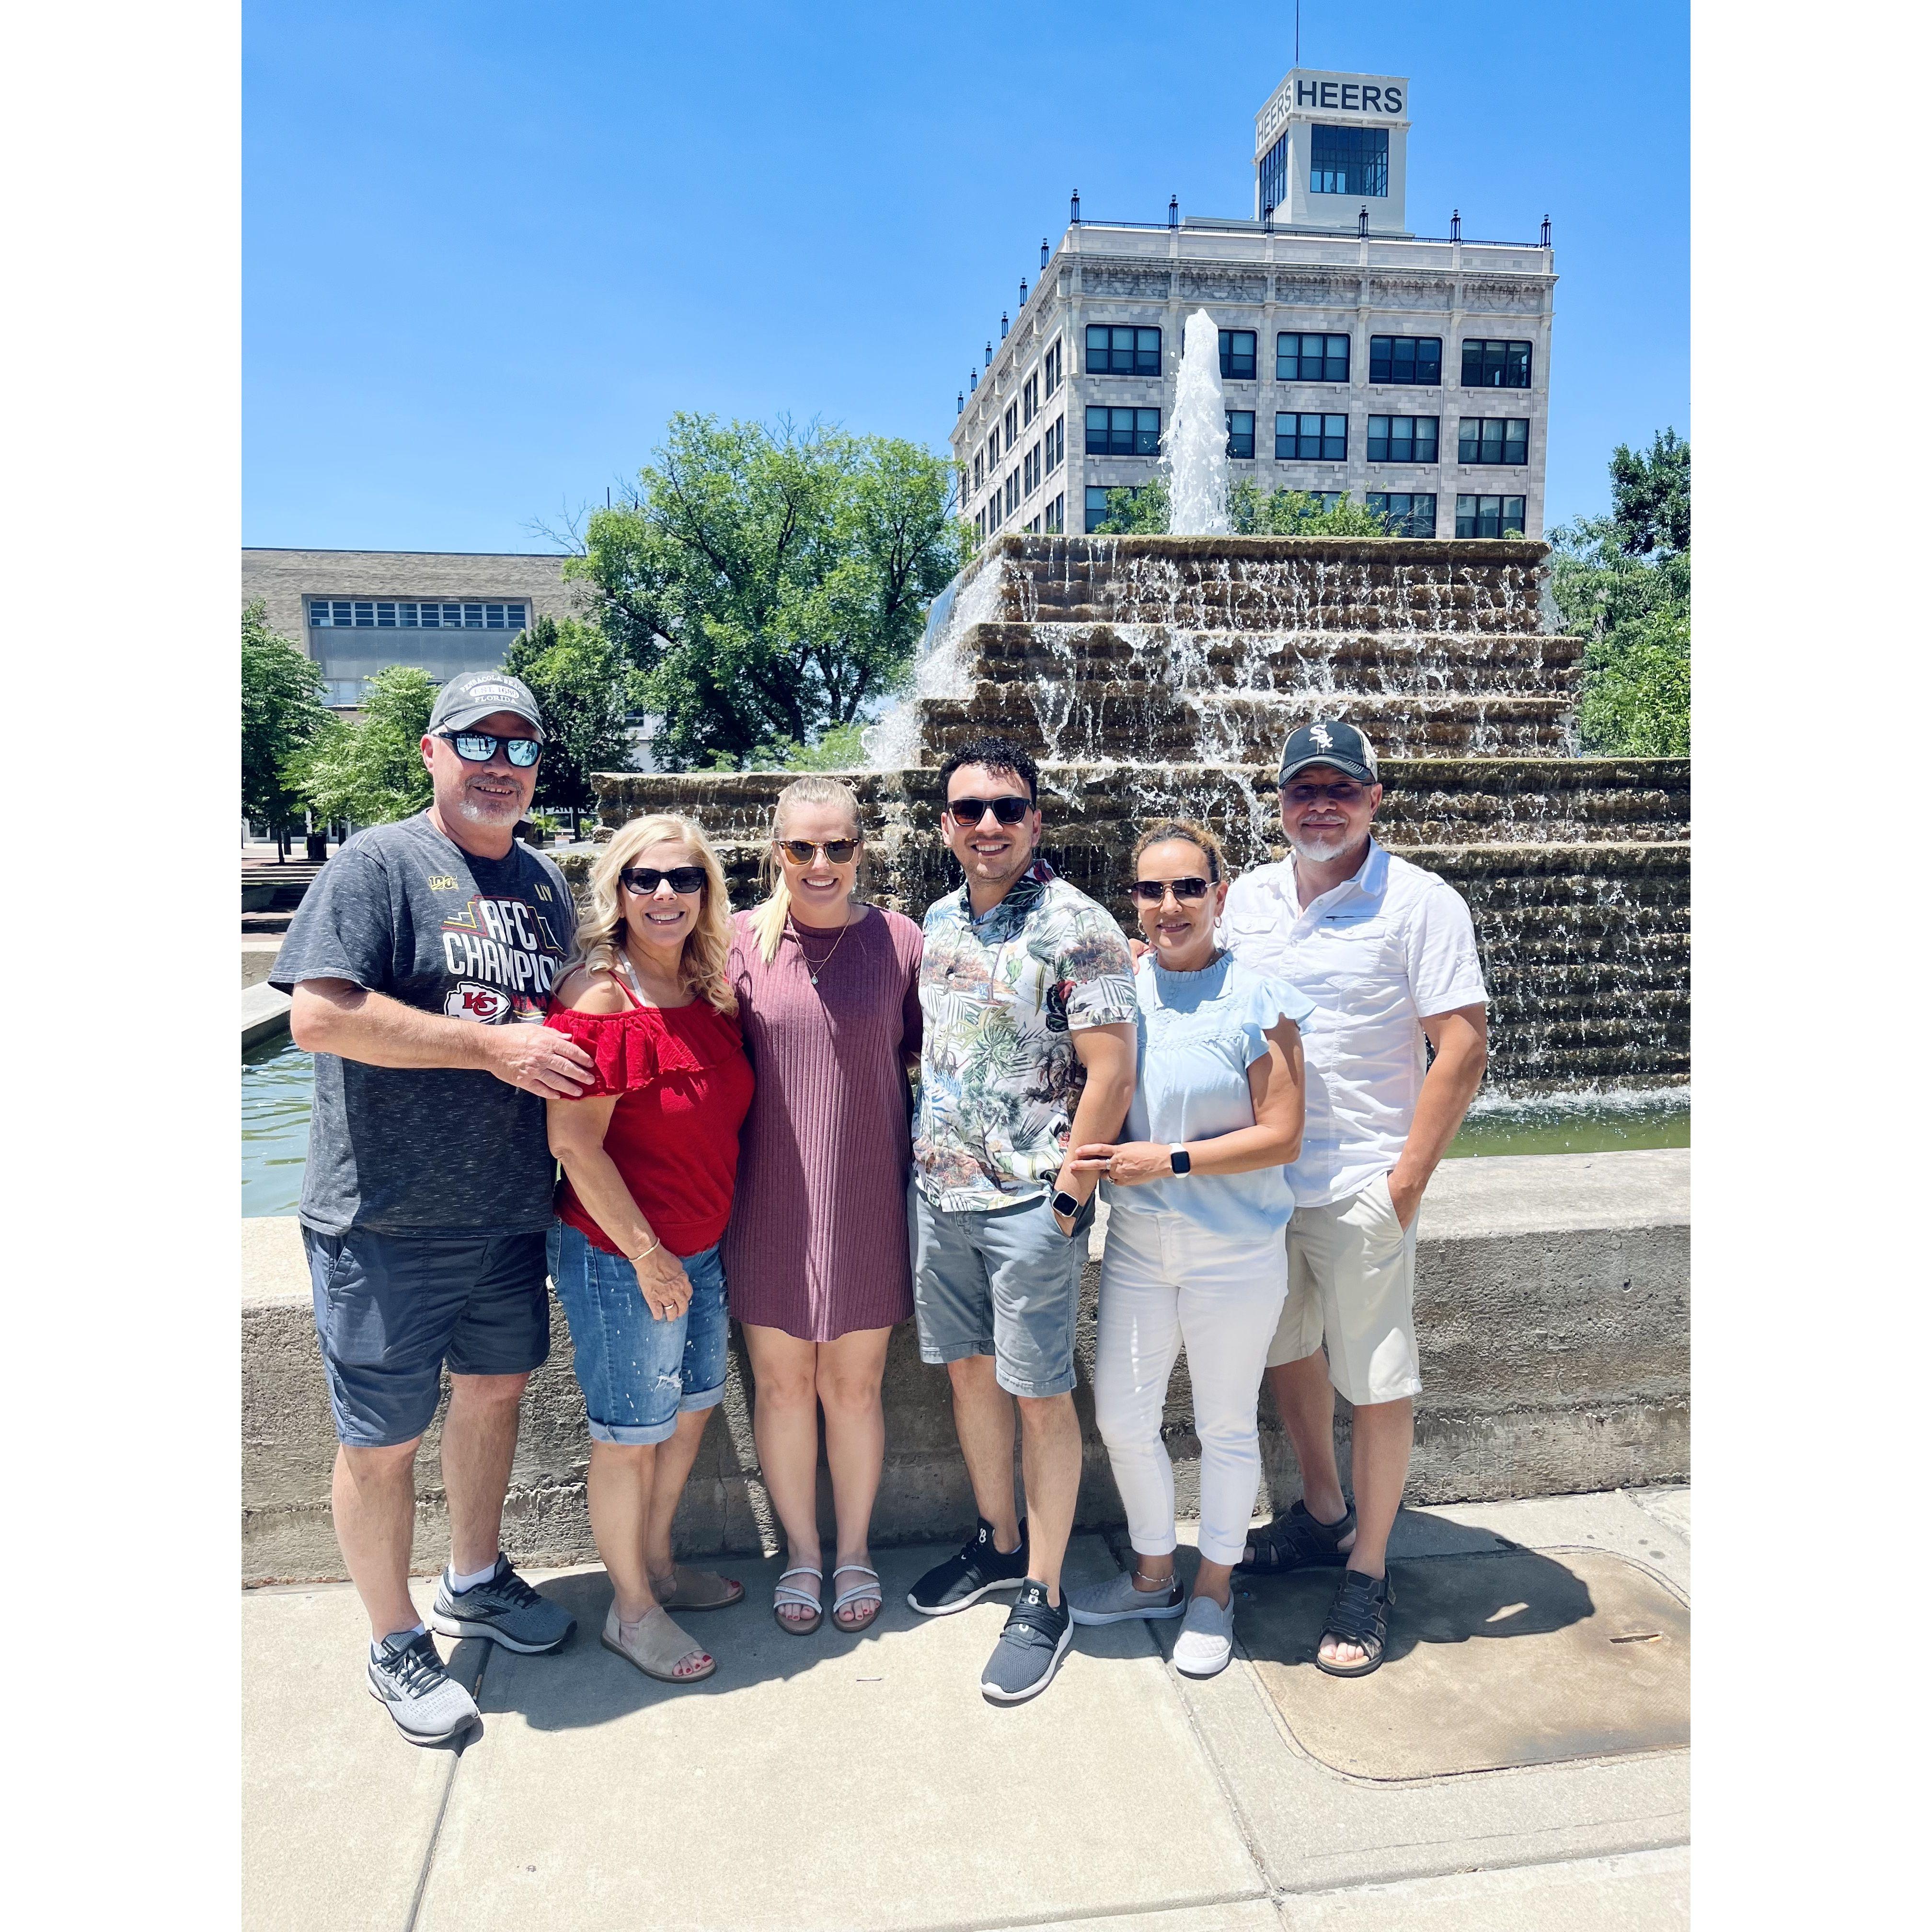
{"points": [[785, 1595], [859, 1593]]}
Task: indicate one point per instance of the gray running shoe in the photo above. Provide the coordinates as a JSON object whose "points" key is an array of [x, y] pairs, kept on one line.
{"points": [[1035, 1638], [407, 1678], [1207, 1639], [1117, 1600], [504, 1609]]}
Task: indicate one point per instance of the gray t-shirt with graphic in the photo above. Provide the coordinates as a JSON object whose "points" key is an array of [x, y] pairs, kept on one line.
{"points": [[401, 909]]}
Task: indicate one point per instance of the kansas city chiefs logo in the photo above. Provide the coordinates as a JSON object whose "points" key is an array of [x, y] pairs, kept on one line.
{"points": [[470, 1001]]}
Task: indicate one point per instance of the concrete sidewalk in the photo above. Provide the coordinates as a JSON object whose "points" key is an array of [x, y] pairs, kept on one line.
{"points": [[1519, 1761]]}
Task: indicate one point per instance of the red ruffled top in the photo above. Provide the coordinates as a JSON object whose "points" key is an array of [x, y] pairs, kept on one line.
{"points": [[683, 1086]]}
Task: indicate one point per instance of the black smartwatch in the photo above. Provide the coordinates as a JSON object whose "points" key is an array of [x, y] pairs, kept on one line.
{"points": [[1064, 1204], [1178, 1155]]}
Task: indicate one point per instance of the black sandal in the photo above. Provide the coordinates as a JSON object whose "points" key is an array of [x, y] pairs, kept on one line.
{"points": [[1358, 1615], [1297, 1541]]}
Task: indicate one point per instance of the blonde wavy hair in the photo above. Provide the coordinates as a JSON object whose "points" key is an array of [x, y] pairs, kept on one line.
{"points": [[707, 946], [769, 916]]}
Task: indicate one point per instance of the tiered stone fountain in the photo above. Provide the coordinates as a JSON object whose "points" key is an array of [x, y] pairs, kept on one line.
{"points": [[1160, 675]]}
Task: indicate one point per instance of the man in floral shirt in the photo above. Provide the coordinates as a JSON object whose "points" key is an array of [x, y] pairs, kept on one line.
{"points": [[1028, 990]]}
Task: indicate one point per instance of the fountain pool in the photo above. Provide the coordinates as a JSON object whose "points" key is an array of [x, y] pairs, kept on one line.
{"points": [[278, 1078]]}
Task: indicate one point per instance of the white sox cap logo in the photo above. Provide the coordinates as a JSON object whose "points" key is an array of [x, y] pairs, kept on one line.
{"points": [[1322, 736]]}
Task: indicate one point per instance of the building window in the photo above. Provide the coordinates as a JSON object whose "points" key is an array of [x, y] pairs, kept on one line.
{"points": [[1305, 438], [383, 614], [1030, 399], [1237, 355], [1311, 359], [1495, 365], [1240, 433], [1012, 493], [1032, 467], [979, 523], [1053, 369], [1406, 515], [993, 447], [978, 469], [1488, 516], [1402, 438], [1274, 175], [1123, 351], [1122, 432], [1056, 514], [1415, 359], [1096, 507], [1012, 424], [1324, 499], [1056, 444], [1492, 440], [1349, 161]]}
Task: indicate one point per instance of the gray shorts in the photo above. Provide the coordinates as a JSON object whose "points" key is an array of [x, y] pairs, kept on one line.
{"points": [[1004, 1282]]}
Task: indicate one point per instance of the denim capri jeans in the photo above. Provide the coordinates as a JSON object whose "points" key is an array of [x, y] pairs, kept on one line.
{"points": [[638, 1371]]}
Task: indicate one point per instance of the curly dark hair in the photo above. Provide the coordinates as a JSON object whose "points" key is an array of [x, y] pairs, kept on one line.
{"points": [[997, 754]]}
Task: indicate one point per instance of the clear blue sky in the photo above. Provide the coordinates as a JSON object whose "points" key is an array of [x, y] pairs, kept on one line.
{"points": [[490, 248]]}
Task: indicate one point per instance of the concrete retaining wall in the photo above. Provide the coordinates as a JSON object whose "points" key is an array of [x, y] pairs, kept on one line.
{"points": [[1553, 1310]]}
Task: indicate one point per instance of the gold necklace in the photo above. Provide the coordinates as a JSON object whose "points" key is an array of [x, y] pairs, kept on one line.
{"points": [[791, 926]]}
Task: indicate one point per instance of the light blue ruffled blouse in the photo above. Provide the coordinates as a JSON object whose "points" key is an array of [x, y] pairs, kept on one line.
{"points": [[1198, 1034]]}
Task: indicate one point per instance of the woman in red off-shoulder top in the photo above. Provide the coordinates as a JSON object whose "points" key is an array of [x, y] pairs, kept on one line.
{"points": [[650, 1155]]}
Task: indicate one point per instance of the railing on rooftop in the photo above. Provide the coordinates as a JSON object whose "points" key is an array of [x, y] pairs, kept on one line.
{"points": [[1231, 225]]}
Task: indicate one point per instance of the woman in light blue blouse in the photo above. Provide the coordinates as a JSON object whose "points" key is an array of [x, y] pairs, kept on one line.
{"points": [[1194, 1250]]}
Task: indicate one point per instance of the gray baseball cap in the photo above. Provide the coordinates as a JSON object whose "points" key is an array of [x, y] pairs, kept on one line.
{"points": [[467, 700]]}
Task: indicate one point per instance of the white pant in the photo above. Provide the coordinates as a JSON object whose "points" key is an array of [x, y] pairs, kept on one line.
{"points": [[1164, 1281]]}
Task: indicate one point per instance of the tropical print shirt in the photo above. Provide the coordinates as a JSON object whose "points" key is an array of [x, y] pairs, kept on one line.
{"points": [[1002, 997]]}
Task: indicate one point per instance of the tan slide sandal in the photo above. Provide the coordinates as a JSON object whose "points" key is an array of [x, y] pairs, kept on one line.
{"points": [[655, 1644]]}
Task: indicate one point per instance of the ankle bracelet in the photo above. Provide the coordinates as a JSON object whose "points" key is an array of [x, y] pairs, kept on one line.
{"points": [[1159, 1582]]}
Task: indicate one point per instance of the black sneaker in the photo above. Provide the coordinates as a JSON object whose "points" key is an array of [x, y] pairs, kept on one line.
{"points": [[1035, 1638], [966, 1578]]}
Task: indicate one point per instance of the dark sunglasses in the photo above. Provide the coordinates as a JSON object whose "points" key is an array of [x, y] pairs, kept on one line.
{"points": [[645, 880], [970, 811], [1346, 792], [836, 850], [1149, 891], [479, 748]]}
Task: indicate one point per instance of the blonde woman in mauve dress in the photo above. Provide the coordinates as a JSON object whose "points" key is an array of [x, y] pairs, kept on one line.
{"points": [[817, 1253]]}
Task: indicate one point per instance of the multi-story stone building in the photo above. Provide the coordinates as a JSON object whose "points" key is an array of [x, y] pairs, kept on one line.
{"points": [[354, 611], [1356, 358]]}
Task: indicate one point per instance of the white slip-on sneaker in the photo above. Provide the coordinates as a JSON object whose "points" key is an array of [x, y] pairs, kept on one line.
{"points": [[1207, 1639]]}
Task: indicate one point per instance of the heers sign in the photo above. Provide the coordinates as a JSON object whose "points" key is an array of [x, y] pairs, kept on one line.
{"points": [[1349, 97]]}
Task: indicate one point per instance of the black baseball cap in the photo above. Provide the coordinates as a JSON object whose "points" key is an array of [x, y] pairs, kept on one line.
{"points": [[469, 699], [1329, 742]]}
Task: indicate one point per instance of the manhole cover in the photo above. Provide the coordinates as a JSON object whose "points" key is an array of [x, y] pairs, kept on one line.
{"points": [[1519, 1656]]}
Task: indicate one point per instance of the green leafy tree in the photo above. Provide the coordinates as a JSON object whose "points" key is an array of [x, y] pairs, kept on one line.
{"points": [[770, 583], [1622, 583], [1144, 509], [282, 714], [586, 687], [371, 770], [1297, 513]]}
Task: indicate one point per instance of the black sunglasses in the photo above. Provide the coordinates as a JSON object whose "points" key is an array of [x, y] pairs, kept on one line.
{"points": [[1149, 891], [836, 850], [1008, 811], [479, 748], [1344, 791], [645, 880]]}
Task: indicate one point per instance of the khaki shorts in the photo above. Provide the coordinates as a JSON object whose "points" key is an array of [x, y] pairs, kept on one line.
{"points": [[1351, 1283]]}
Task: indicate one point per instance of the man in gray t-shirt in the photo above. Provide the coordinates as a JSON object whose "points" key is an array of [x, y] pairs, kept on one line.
{"points": [[421, 963]]}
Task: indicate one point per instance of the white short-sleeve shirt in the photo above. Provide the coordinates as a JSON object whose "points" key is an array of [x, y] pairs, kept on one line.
{"points": [[1377, 955]]}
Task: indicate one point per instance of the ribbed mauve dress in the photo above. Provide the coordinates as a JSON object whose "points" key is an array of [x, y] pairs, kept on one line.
{"points": [[817, 1244]]}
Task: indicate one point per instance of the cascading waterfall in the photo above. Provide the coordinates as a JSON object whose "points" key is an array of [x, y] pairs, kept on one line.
{"points": [[1194, 454], [1159, 675]]}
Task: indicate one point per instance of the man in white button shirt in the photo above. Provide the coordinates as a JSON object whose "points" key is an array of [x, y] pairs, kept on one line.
{"points": [[1387, 953]]}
